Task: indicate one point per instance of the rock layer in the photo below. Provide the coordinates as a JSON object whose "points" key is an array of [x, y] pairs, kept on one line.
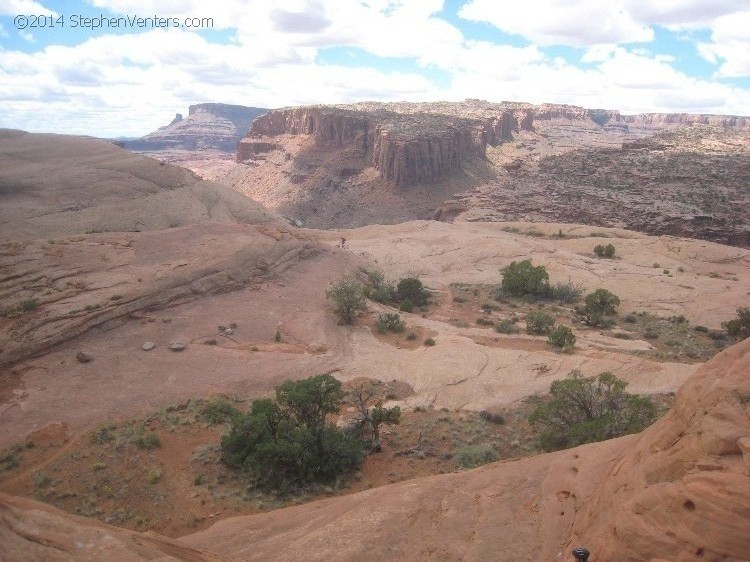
{"points": [[208, 126], [411, 144]]}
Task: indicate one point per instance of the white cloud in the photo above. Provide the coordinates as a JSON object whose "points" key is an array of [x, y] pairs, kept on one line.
{"points": [[127, 84], [620, 80], [677, 14], [561, 22], [730, 45], [24, 7], [132, 84]]}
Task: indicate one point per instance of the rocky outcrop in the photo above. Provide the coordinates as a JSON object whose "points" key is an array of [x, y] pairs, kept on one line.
{"points": [[423, 143], [31, 531], [678, 491], [214, 126], [132, 206], [405, 149]]}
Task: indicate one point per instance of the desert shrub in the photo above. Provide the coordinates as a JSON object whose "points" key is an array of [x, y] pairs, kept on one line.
{"points": [[382, 294], [538, 323], [471, 456], [587, 409], [598, 305], [506, 326], [103, 434], [288, 441], [390, 322], [607, 251], [147, 441], [411, 288], [10, 458], [492, 417], [375, 278], [348, 299], [429, 342], [488, 307], [562, 338], [29, 304], [483, 321], [739, 327], [373, 415], [631, 318], [522, 278], [218, 410], [406, 306], [379, 289], [567, 292], [154, 475], [411, 336]]}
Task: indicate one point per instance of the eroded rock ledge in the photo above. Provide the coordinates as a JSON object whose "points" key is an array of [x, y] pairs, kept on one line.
{"points": [[422, 143]]}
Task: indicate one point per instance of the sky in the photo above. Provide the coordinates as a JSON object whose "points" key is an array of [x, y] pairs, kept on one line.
{"points": [[115, 68]]}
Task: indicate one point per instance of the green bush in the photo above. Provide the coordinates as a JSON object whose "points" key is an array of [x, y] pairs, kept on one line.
{"points": [[218, 410], [29, 304], [103, 434], [148, 441], [598, 305], [429, 342], [288, 441], [492, 417], [567, 292], [411, 288], [562, 338], [348, 298], [522, 278], [587, 409], [382, 294], [607, 251], [506, 326], [406, 306], [538, 323], [390, 322], [740, 326], [471, 456]]}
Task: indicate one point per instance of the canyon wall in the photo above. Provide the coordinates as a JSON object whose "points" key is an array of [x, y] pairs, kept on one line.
{"points": [[214, 126], [404, 149], [423, 143]]}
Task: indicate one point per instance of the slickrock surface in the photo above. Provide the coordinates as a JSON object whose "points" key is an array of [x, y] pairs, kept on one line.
{"points": [[31, 531], [678, 491], [58, 185]]}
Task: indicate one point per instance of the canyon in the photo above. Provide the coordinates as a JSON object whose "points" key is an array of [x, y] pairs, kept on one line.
{"points": [[133, 291], [365, 163]]}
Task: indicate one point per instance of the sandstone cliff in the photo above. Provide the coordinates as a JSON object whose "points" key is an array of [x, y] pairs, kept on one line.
{"points": [[404, 149], [423, 143], [208, 126]]}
